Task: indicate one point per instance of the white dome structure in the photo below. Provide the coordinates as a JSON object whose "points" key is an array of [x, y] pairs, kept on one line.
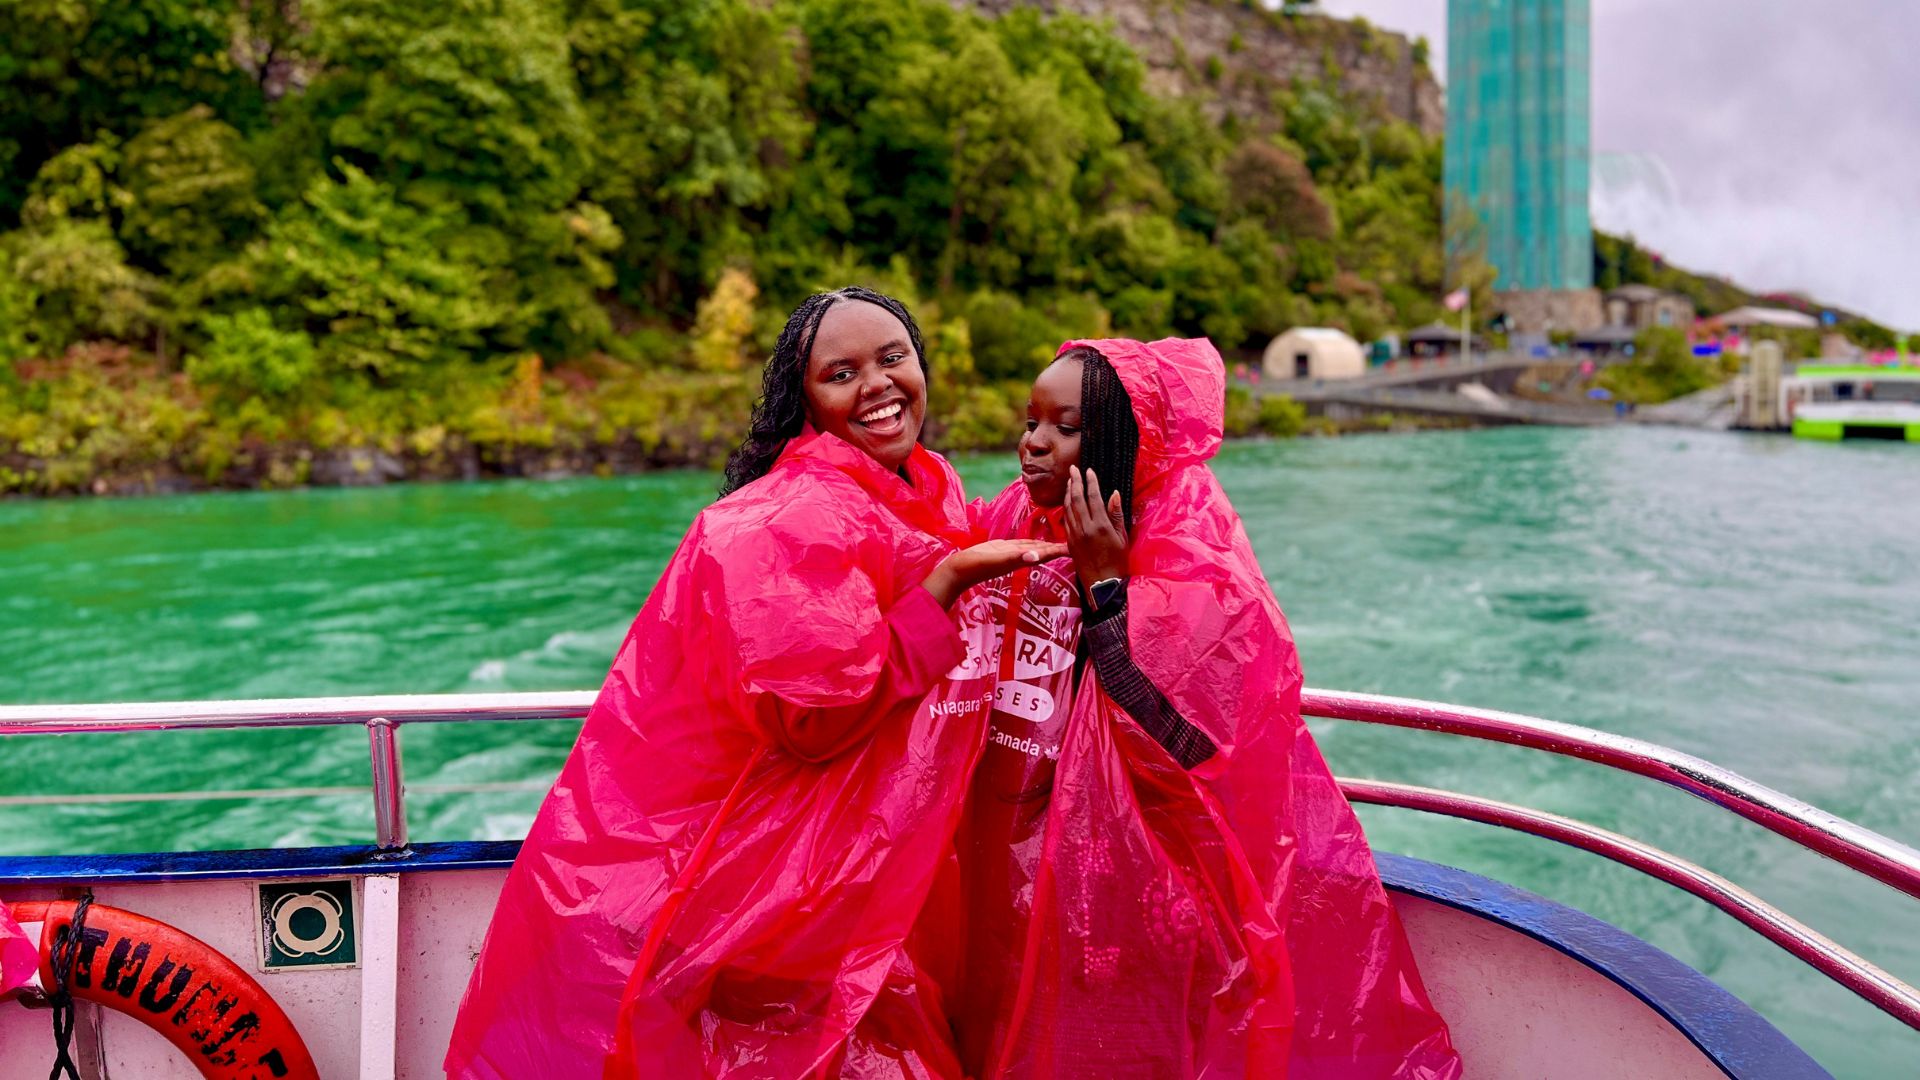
{"points": [[1313, 352]]}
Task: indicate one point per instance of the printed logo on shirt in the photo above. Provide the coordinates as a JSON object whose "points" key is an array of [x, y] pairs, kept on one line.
{"points": [[963, 707], [1024, 700], [1033, 691], [1036, 656], [979, 617], [1049, 624], [1024, 745]]}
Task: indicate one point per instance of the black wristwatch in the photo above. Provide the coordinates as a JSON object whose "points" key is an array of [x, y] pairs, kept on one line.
{"points": [[1105, 591]]}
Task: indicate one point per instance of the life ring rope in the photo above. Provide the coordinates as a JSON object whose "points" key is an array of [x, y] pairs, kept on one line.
{"points": [[207, 1006]]}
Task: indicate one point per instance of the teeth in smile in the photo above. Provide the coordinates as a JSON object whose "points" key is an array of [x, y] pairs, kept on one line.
{"points": [[880, 414]]}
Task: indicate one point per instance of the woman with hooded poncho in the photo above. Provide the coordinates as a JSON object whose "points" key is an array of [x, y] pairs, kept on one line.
{"points": [[723, 878], [1161, 878]]}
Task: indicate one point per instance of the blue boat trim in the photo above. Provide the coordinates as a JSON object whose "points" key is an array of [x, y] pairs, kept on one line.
{"points": [[1740, 1041], [258, 863], [1737, 1039]]}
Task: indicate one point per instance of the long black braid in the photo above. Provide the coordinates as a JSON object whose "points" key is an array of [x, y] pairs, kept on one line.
{"points": [[782, 409], [1109, 435]]}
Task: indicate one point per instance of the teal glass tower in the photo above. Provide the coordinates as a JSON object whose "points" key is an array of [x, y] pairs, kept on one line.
{"points": [[1518, 145]]}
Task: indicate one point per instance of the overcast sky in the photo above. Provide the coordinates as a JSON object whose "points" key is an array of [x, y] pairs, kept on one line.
{"points": [[1790, 130]]}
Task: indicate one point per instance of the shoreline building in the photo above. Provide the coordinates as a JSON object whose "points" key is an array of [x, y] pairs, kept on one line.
{"points": [[1519, 153]]}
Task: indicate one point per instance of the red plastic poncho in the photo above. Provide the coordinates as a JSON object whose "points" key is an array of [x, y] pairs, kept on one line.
{"points": [[728, 866], [1222, 922], [1025, 629], [19, 956]]}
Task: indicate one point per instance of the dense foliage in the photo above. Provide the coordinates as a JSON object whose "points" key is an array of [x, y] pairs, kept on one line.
{"points": [[1664, 367], [1620, 260], [523, 234]]}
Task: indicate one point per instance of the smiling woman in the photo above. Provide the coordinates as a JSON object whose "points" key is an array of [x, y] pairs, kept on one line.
{"points": [[843, 359], [866, 383], [757, 804]]}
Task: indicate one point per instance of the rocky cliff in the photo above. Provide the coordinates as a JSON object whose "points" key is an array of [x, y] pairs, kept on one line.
{"points": [[1234, 54]]}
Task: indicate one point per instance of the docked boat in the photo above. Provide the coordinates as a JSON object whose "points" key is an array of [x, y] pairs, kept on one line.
{"points": [[350, 961], [1854, 401], [1836, 420]]}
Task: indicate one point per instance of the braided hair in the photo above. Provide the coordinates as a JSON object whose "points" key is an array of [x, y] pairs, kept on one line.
{"points": [[782, 409], [1109, 435]]}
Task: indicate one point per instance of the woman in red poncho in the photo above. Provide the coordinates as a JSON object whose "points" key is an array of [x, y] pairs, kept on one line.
{"points": [[1160, 877], [722, 880]]}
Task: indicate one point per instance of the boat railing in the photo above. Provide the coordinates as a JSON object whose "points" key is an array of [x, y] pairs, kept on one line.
{"points": [[1882, 858], [1877, 856], [381, 715]]}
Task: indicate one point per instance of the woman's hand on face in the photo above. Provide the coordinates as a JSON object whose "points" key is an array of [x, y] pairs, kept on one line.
{"points": [[968, 567], [1096, 529]]}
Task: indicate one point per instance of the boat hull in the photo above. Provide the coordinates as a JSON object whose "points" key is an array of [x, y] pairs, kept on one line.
{"points": [[1833, 421], [1530, 989]]}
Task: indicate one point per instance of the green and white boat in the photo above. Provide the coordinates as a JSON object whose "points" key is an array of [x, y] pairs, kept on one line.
{"points": [[1854, 401]]}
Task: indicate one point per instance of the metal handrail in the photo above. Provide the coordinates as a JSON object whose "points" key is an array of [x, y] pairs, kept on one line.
{"points": [[292, 712], [381, 715], [1828, 957], [1882, 858], [389, 784]]}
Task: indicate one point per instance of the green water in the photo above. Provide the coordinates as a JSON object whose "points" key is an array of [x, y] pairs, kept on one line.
{"points": [[1752, 600]]}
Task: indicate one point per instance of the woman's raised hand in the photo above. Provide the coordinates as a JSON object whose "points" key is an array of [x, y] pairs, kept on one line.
{"points": [[968, 567], [1096, 529]]}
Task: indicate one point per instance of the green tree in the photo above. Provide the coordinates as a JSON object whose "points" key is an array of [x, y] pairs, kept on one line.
{"points": [[366, 276], [1466, 253], [190, 198], [1270, 185], [71, 70], [248, 353], [469, 112], [367, 220], [697, 121], [954, 156], [1663, 368], [724, 322], [71, 278]]}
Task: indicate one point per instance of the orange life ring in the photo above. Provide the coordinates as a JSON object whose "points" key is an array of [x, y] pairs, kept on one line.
{"points": [[179, 986]]}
